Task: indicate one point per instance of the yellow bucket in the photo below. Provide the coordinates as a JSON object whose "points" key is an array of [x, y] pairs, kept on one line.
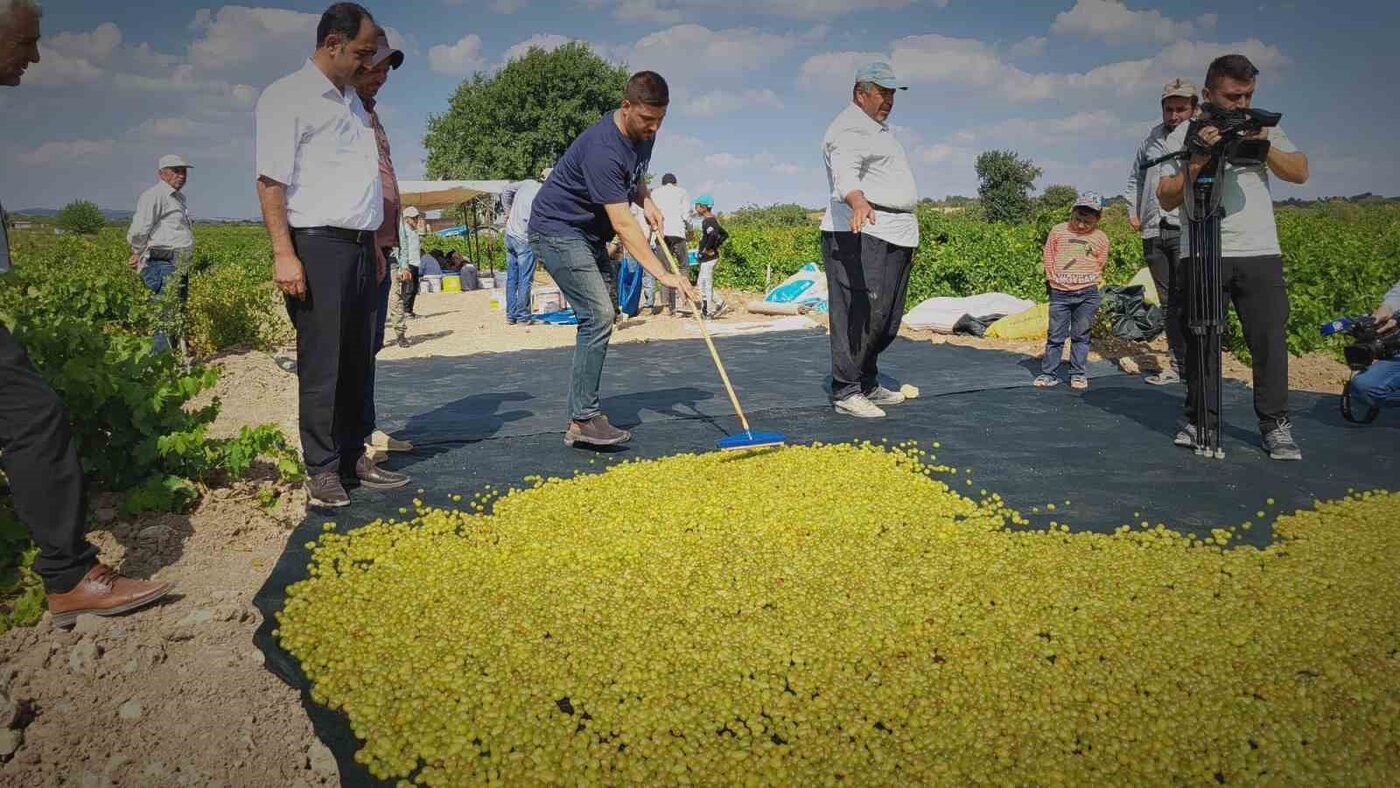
{"points": [[451, 283]]}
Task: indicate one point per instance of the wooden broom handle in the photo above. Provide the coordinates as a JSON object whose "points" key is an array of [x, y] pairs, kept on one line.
{"points": [[710, 343]]}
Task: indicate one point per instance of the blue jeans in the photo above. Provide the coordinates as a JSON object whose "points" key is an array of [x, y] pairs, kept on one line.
{"points": [[1379, 386], [520, 274], [584, 273], [1071, 316], [157, 275]]}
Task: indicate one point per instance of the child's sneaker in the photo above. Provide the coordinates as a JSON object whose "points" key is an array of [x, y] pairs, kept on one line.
{"points": [[1079, 383], [1046, 381]]}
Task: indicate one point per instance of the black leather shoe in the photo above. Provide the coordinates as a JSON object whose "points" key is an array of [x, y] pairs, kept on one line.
{"points": [[326, 491], [373, 477]]}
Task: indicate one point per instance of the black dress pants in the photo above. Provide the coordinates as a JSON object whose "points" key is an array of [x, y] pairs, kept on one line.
{"points": [[41, 462], [335, 329], [867, 279]]}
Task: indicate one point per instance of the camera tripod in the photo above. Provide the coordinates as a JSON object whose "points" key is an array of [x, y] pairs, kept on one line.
{"points": [[1205, 300]]}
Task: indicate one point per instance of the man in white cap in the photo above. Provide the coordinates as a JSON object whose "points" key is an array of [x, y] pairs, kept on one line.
{"points": [[368, 83], [401, 272], [1161, 230], [869, 235], [520, 259], [161, 235]]}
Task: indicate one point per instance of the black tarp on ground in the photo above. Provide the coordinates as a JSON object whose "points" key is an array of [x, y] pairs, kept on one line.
{"points": [[496, 418]]}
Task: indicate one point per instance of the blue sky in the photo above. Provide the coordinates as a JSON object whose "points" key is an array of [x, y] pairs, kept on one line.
{"points": [[1070, 83]]}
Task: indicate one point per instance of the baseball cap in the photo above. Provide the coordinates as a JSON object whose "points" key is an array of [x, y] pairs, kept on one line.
{"points": [[1179, 87], [705, 200], [411, 211], [173, 160], [385, 52], [1091, 200], [881, 74]]}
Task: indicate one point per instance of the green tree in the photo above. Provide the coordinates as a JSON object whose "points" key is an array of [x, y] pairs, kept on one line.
{"points": [[784, 215], [1057, 199], [1006, 180], [80, 216], [512, 124]]}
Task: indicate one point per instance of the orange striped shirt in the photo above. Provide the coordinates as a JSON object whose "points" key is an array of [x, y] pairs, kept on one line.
{"points": [[1074, 261]]}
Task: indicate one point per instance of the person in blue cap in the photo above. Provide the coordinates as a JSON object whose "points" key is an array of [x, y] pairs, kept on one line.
{"points": [[712, 237], [869, 235]]}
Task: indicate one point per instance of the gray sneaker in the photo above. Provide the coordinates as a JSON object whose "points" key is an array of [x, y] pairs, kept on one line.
{"points": [[1186, 436], [1166, 377], [883, 396], [595, 432], [324, 490], [860, 407], [1278, 442]]}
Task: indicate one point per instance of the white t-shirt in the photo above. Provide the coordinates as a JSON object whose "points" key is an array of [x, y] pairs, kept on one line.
{"points": [[674, 204], [1247, 228]]}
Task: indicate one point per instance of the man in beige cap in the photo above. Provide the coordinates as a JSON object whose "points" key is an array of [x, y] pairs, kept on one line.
{"points": [[161, 235], [1160, 229]]}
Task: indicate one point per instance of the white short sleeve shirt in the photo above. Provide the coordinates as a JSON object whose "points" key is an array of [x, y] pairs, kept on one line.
{"points": [[319, 142]]}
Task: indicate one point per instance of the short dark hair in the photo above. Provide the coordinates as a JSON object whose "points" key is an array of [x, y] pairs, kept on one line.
{"points": [[1236, 67], [342, 18], [667, 178], [648, 87]]}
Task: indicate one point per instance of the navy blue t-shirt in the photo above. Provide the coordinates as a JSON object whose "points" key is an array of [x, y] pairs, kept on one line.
{"points": [[601, 167]]}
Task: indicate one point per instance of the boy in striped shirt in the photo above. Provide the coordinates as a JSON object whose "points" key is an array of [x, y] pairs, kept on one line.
{"points": [[1075, 254]]}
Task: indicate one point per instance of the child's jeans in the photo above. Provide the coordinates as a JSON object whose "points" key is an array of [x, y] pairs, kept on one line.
{"points": [[1071, 316]]}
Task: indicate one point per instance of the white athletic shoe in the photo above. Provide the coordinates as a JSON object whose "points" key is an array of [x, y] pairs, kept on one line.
{"points": [[860, 407], [883, 396]]}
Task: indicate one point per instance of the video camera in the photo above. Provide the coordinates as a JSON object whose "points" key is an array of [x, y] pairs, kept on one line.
{"points": [[1235, 126], [1367, 347]]}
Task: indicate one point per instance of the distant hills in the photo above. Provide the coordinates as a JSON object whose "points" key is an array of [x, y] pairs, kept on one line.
{"points": [[47, 214]]}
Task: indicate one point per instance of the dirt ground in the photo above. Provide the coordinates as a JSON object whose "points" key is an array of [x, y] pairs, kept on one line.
{"points": [[177, 694]]}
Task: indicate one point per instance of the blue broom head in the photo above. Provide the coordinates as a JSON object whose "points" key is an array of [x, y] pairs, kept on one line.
{"points": [[750, 440]]}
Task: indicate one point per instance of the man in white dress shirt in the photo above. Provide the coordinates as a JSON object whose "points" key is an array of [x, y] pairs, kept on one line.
{"points": [[869, 235], [676, 208], [322, 201], [161, 235]]}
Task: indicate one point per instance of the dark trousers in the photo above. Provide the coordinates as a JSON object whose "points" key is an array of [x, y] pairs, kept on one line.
{"points": [[381, 315], [1255, 286], [334, 325], [1163, 255], [41, 462], [867, 279], [1071, 318], [676, 244]]}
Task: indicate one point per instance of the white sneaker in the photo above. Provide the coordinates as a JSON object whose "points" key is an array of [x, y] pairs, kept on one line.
{"points": [[860, 407], [883, 396]]}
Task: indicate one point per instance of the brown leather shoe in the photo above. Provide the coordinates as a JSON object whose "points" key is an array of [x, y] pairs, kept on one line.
{"points": [[103, 592], [595, 432], [325, 491], [373, 477]]}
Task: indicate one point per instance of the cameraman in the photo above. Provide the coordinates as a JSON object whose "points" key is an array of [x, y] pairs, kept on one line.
{"points": [[1379, 386], [1251, 266]]}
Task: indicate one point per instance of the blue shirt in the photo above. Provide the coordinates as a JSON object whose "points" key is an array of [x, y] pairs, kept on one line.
{"points": [[602, 167]]}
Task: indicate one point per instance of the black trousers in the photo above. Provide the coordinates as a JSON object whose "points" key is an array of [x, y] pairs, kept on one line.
{"points": [[1255, 286], [867, 279], [411, 291], [335, 327], [41, 462], [1163, 255], [369, 417]]}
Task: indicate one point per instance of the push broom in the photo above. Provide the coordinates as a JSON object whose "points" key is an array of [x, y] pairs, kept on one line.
{"points": [[748, 439]]}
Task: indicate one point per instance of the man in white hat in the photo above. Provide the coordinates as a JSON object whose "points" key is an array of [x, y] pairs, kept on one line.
{"points": [[406, 257], [869, 235], [161, 235]]}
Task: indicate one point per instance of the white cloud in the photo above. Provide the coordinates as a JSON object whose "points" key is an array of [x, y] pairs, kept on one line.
{"points": [[460, 59], [546, 41], [672, 11], [726, 161], [719, 102], [507, 6], [1112, 21], [236, 35], [786, 169], [1033, 46], [684, 49], [970, 64], [65, 151]]}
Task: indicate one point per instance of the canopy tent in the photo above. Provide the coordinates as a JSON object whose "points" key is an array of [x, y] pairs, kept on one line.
{"points": [[434, 195]]}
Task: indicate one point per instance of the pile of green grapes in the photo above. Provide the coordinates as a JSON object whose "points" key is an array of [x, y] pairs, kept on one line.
{"points": [[832, 613]]}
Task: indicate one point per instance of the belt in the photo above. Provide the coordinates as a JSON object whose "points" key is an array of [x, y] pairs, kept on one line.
{"points": [[1168, 226], [337, 233], [886, 209]]}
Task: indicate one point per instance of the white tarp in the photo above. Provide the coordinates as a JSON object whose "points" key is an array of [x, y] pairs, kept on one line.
{"points": [[433, 195], [941, 314]]}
